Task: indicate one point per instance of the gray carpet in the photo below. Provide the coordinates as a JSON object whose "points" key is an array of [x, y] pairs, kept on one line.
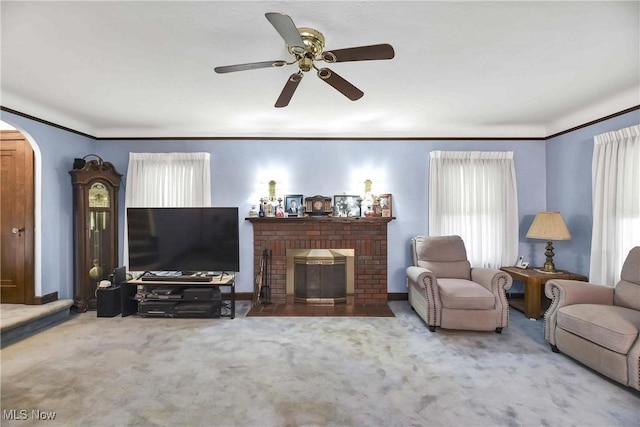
{"points": [[302, 371]]}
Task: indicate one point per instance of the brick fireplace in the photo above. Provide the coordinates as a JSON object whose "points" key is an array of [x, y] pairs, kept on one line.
{"points": [[366, 236]]}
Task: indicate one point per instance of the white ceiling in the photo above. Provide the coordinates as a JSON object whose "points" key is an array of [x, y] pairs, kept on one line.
{"points": [[461, 69]]}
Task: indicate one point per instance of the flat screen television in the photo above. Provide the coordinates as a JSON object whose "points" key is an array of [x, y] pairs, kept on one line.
{"points": [[186, 240]]}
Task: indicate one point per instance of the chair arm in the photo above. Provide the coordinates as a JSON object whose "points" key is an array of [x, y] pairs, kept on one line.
{"points": [[421, 276], [494, 280], [569, 292], [564, 292], [424, 295]]}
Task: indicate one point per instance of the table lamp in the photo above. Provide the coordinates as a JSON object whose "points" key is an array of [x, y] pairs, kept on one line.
{"points": [[549, 226]]}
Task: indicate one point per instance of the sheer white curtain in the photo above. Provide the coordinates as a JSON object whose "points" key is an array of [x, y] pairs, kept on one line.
{"points": [[473, 194], [167, 180], [616, 202]]}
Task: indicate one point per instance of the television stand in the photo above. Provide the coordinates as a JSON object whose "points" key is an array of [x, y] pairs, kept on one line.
{"points": [[228, 307], [188, 279]]}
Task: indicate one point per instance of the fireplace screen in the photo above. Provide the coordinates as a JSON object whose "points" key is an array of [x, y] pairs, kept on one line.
{"points": [[320, 276]]}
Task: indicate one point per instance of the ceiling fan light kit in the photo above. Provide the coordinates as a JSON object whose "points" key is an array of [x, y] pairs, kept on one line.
{"points": [[306, 45]]}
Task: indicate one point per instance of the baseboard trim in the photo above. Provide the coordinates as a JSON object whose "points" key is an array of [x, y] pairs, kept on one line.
{"points": [[244, 296], [397, 296], [45, 299], [515, 295]]}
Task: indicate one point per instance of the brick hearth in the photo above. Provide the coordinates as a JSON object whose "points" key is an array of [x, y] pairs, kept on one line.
{"points": [[367, 236]]}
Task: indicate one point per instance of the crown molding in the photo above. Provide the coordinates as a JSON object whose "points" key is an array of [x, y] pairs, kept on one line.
{"points": [[536, 138]]}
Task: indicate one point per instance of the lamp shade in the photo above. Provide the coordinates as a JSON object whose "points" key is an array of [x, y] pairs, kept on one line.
{"points": [[548, 226]]}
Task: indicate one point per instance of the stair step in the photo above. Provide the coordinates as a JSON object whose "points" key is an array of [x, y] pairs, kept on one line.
{"points": [[20, 321]]}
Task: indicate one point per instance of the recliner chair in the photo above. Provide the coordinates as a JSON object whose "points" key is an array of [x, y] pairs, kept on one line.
{"points": [[599, 325], [445, 291]]}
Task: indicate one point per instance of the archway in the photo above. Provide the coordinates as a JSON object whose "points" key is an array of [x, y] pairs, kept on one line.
{"points": [[32, 255]]}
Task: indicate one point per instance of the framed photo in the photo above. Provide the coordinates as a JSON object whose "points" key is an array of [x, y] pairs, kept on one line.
{"points": [[347, 205], [386, 206], [292, 204]]}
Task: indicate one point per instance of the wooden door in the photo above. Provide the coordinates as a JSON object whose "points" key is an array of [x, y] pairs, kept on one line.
{"points": [[16, 219]]}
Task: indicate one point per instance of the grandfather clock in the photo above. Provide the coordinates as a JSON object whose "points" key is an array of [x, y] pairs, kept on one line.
{"points": [[95, 228]]}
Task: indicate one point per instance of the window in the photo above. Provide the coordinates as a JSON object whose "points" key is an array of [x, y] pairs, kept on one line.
{"points": [[616, 202], [167, 180], [474, 195]]}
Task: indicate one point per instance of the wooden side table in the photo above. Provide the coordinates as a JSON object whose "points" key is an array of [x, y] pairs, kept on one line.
{"points": [[533, 285]]}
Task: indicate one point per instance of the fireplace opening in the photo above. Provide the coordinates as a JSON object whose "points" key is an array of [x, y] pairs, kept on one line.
{"points": [[320, 276]]}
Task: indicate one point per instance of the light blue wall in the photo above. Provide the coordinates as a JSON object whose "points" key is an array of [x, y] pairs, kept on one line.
{"points": [[318, 167], [328, 168], [568, 160]]}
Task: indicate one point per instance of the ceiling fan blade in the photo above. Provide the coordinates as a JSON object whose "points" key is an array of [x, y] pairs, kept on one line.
{"points": [[340, 84], [287, 29], [361, 53], [250, 66], [288, 90]]}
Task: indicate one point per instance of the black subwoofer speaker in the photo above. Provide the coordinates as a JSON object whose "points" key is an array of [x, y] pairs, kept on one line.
{"points": [[109, 301]]}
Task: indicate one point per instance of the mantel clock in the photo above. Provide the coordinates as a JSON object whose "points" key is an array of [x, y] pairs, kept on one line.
{"points": [[318, 205], [95, 228]]}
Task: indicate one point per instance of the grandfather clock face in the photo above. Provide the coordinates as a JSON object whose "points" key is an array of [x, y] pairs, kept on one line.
{"points": [[99, 196]]}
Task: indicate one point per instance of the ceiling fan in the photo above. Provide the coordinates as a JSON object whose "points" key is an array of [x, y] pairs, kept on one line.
{"points": [[307, 46]]}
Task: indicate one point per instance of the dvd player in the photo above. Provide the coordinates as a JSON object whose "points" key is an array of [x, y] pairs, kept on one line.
{"points": [[147, 278]]}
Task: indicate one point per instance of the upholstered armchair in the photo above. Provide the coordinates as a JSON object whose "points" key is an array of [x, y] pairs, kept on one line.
{"points": [[598, 325], [445, 291]]}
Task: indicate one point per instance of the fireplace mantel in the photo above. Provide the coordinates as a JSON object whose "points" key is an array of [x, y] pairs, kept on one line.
{"points": [[366, 236], [318, 218]]}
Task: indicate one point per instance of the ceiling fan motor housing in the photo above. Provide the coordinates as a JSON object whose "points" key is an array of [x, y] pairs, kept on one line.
{"points": [[314, 45]]}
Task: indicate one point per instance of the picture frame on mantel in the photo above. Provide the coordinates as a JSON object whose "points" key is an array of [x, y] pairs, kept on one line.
{"points": [[386, 205], [347, 205], [293, 204]]}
